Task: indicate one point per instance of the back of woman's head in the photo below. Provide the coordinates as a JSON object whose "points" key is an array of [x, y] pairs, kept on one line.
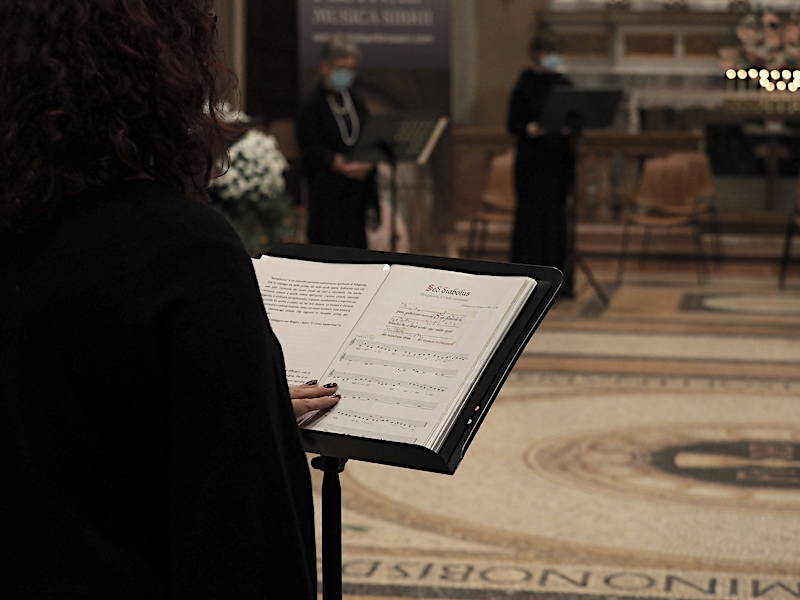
{"points": [[97, 91]]}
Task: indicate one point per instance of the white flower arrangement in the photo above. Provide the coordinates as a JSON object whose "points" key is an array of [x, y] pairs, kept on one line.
{"points": [[253, 188], [256, 169]]}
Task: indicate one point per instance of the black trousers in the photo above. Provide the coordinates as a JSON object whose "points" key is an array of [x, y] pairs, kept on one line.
{"points": [[337, 211], [541, 219]]}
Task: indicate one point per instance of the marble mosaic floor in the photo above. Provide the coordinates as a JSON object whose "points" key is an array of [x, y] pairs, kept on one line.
{"points": [[647, 449]]}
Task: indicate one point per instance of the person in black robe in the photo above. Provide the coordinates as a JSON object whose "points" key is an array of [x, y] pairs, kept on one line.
{"points": [[329, 125], [148, 439], [544, 164]]}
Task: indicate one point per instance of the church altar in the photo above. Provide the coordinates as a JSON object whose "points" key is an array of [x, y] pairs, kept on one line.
{"points": [[741, 103]]}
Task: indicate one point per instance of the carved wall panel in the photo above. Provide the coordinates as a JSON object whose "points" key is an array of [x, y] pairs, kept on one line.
{"points": [[649, 44], [578, 43]]}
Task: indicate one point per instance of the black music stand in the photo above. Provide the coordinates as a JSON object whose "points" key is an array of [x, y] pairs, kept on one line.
{"points": [[579, 108], [335, 449], [393, 138], [576, 110]]}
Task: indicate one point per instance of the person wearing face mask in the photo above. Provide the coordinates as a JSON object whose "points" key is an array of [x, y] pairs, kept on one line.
{"points": [[544, 163], [331, 120]]}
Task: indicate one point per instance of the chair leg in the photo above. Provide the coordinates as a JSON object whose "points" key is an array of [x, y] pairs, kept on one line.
{"points": [[702, 266], [623, 252], [646, 235], [716, 231], [787, 250]]}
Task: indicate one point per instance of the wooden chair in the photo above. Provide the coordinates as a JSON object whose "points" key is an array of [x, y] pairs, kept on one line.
{"points": [[792, 228], [498, 202], [665, 199]]}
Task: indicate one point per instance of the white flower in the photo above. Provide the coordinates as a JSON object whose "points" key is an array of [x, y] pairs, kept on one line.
{"points": [[255, 173]]}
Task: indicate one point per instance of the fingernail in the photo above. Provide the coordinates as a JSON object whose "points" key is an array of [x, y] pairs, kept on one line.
{"points": [[312, 382], [329, 385], [337, 396]]}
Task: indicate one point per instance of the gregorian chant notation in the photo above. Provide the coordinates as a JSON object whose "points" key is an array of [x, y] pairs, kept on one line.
{"points": [[385, 384], [361, 418], [400, 367], [363, 344], [393, 400], [425, 324]]}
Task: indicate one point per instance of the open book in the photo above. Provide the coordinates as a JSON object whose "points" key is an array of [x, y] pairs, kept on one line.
{"points": [[406, 344]]}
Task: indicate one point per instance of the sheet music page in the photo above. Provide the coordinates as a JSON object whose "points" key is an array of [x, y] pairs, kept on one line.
{"points": [[412, 357], [313, 306]]}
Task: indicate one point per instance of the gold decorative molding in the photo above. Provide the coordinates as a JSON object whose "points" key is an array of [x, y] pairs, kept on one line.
{"points": [[649, 44], [663, 19], [704, 44], [585, 43]]}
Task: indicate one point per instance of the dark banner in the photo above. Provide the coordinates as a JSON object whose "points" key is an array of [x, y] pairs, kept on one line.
{"points": [[396, 34], [404, 70]]}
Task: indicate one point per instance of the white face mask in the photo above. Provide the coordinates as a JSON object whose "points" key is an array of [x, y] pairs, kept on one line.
{"points": [[341, 79], [553, 62]]}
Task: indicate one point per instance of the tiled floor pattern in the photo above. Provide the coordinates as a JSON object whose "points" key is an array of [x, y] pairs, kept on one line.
{"points": [[645, 449]]}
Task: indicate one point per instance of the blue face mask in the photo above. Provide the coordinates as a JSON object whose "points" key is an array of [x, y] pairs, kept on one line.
{"points": [[341, 79], [552, 62]]}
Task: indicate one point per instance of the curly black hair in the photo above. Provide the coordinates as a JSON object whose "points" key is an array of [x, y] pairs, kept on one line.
{"points": [[98, 91]]}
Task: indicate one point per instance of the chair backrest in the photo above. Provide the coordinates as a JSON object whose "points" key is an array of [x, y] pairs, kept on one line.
{"points": [[499, 191], [701, 180], [664, 183]]}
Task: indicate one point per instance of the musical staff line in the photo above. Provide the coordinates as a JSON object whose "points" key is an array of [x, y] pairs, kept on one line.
{"points": [[364, 344], [357, 379], [372, 419], [400, 366], [383, 399], [368, 433]]}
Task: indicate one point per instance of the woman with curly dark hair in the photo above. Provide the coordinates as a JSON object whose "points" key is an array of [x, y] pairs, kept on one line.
{"points": [[145, 424]]}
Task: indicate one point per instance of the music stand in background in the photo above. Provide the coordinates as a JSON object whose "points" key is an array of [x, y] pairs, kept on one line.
{"points": [[586, 109], [578, 109], [392, 138]]}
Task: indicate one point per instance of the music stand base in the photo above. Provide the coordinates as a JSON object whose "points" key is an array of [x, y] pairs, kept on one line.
{"points": [[576, 260]]}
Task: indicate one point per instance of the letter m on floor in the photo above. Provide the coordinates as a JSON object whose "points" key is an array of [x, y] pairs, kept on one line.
{"points": [[758, 591]]}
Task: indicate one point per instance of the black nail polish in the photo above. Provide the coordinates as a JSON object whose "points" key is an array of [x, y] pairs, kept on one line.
{"points": [[312, 382], [329, 385]]}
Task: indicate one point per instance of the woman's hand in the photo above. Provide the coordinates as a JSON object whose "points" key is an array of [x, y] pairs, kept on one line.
{"points": [[357, 170], [532, 129], [353, 170], [310, 396]]}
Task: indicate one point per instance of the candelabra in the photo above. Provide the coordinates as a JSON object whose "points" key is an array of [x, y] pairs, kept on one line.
{"points": [[771, 80]]}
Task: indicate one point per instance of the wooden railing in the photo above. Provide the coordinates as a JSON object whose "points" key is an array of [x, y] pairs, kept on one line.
{"points": [[607, 169]]}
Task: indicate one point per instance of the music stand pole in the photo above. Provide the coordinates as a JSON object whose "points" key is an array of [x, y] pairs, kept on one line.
{"points": [[331, 525], [575, 259]]}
